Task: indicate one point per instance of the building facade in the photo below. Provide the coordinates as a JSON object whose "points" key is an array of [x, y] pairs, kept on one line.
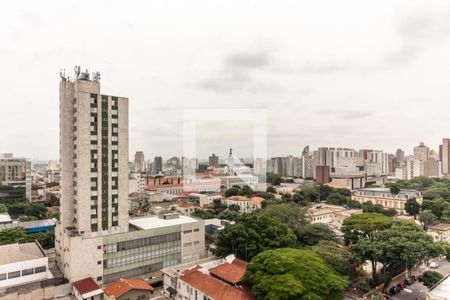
{"points": [[15, 177]]}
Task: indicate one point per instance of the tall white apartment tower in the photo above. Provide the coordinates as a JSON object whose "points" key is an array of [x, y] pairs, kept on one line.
{"points": [[94, 157], [94, 175]]}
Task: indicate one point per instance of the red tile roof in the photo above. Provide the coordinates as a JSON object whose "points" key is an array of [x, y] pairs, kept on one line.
{"points": [[440, 227], [214, 287], [86, 285], [231, 273], [123, 286]]}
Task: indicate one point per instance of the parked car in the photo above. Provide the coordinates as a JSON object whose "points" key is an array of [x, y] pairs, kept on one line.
{"points": [[393, 291], [408, 281], [414, 277], [434, 265], [402, 285]]}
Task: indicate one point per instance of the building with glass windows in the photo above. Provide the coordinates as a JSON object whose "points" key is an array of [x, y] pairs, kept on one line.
{"points": [[95, 237], [15, 177]]}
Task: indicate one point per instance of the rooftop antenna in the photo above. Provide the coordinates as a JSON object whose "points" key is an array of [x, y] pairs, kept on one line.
{"points": [[77, 71], [62, 74]]}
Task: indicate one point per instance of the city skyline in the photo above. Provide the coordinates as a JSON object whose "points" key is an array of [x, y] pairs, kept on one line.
{"points": [[358, 80]]}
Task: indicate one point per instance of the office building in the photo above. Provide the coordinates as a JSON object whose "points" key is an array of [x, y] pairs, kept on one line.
{"points": [[421, 152], [444, 154], [322, 174], [140, 166], [157, 165], [15, 177], [214, 161], [400, 154]]}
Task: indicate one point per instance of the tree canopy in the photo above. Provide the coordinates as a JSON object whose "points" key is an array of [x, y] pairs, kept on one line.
{"points": [[292, 215], [388, 247], [252, 234], [288, 274], [336, 256], [412, 207], [364, 225], [311, 234]]}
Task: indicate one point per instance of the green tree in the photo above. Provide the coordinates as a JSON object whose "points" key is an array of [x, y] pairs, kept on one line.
{"points": [[311, 234], [52, 184], [430, 278], [17, 209], [293, 274], [427, 218], [395, 189], [364, 225], [337, 199], [37, 210], [388, 248], [13, 235], [437, 206], [273, 179], [246, 191], [202, 214], [27, 218], [412, 207], [234, 207], [3, 208], [293, 215], [336, 256], [252, 234], [228, 214], [325, 191], [45, 239], [271, 189], [233, 191]]}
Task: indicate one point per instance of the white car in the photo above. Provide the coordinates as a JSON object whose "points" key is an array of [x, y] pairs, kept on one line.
{"points": [[434, 265]]}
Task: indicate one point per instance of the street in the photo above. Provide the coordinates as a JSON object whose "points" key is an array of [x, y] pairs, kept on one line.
{"points": [[418, 290]]}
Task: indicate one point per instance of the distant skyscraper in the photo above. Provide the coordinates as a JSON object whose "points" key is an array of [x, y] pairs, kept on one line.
{"points": [[157, 165], [421, 152], [15, 177], [400, 154], [444, 154], [139, 162], [214, 161]]}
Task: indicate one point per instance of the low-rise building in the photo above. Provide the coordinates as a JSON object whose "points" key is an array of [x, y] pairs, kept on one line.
{"points": [[218, 279], [331, 215], [384, 197], [5, 218], [245, 204], [22, 264], [440, 232], [128, 289], [87, 289]]}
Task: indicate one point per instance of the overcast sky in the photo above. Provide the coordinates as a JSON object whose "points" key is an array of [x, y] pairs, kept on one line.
{"points": [[330, 73]]}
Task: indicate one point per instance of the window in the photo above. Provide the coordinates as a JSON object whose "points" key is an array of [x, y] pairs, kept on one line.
{"points": [[3, 276], [40, 269], [99, 278], [99, 262], [13, 274], [27, 272], [187, 231], [196, 230]]}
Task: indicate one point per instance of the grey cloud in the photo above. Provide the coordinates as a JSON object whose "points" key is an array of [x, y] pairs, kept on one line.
{"points": [[251, 60], [417, 33]]}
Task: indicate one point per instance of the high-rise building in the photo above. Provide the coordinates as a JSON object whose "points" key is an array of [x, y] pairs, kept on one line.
{"points": [[94, 157], [214, 161], [15, 177], [157, 165], [400, 154], [93, 237], [421, 152], [444, 155], [140, 166]]}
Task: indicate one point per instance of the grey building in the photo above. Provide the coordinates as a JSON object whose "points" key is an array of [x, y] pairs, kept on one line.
{"points": [[15, 177]]}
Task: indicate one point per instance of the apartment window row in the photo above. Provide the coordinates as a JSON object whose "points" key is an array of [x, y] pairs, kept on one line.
{"points": [[141, 256], [24, 272], [138, 243]]}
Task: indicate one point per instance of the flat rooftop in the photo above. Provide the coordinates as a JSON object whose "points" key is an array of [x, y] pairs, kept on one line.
{"points": [[157, 222], [14, 253]]}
